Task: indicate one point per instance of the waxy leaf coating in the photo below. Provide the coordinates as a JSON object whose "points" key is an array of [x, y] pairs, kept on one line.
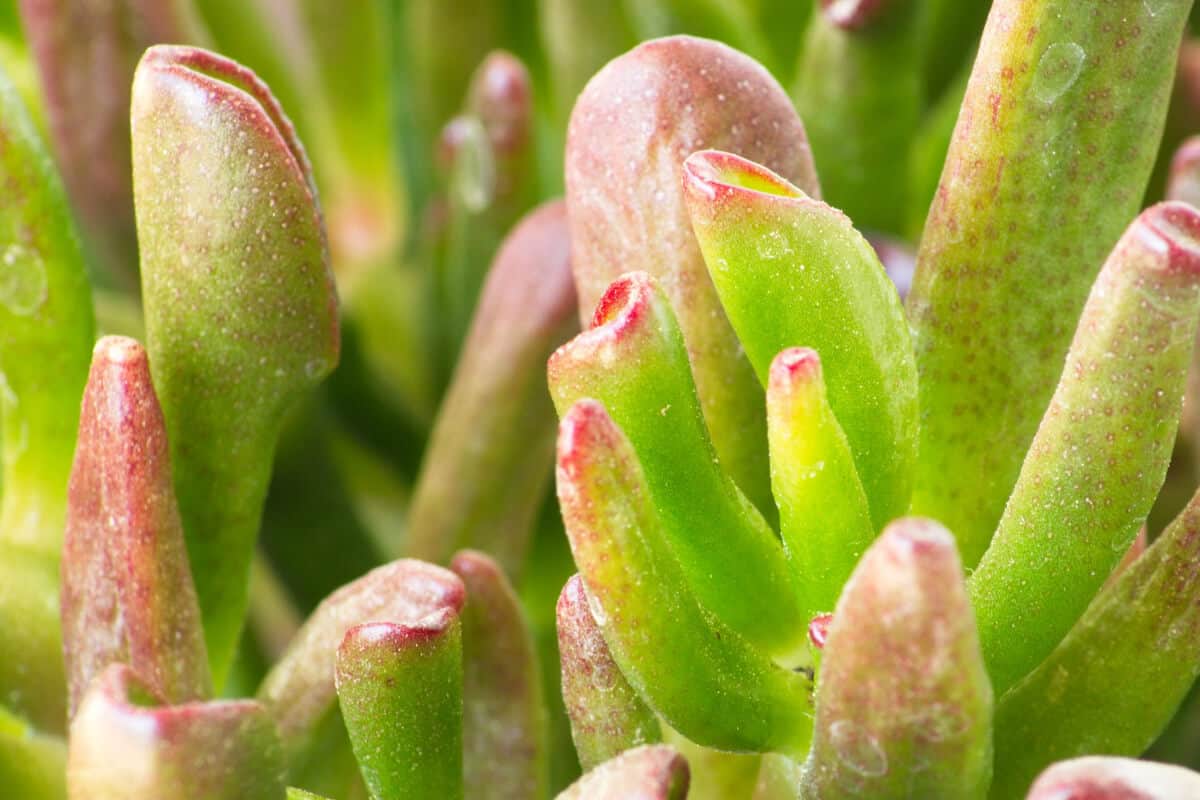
{"points": [[1054, 146], [241, 312], [1145, 623], [1101, 453], [1098, 778], [823, 511], [607, 716], [792, 271], [632, 127], [504, 712], [904, 708], [704, 679], [127, 593], [634, 361], [401, 693], [652, 772]]}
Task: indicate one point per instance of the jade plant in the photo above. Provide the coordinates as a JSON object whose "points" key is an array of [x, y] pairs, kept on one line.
{"points": [[868, 392]]}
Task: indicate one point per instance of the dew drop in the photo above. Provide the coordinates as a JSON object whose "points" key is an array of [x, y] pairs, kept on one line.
{"points": [[23, 283], [1057, 71]]}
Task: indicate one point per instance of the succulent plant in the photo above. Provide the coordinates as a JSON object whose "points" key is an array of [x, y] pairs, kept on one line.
{"points": [[860, 502]]}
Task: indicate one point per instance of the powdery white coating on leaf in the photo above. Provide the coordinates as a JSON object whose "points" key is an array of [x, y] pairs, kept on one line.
{"points": [[1109, 778], [654, 772]]}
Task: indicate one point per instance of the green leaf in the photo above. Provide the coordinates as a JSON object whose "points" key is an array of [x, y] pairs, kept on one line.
{"points": [[1101, 453], [485, 471], [1146, 622], [904, 708], [631, 129], [32, 765], [299, 691], [504, 712], [45, 335], [823, 510], [653, 772], [607, 715], [859, 93], [634, 361], [1053, 149], [704, 679], [401, 692], [792, 271], [127, 593], [126, 744], [87, 95], [241, 313]]}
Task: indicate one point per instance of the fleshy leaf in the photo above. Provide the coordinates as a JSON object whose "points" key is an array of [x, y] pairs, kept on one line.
{"points": [[1053, 149], [299, 690], [496, 419], [792, 271], [490, 149], [31, 672], [634, 361], [241, 313], [401, 692], [653, 772], [607, 716], [904, 708], [859, 93], [45, 334], [127, 593], [705, 680], [632, 127], [127, 745], [822, 508], [1099, 778], [86, 91], [1102, 450], [1146, 623], [505, 716]]}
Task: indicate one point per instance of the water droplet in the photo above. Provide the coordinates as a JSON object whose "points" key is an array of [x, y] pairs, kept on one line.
{"points": [[1057, 71], [857, 748], [23, 285], [315, 368], [1154, 7]]}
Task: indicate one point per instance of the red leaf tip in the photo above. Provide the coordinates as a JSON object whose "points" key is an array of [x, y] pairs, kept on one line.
{"points": [[717, 175], [623, 301], [794, 365], [1171, 230], [818, 630]]}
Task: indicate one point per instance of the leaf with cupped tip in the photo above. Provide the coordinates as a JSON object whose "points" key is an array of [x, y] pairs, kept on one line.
{"points": [[32, 764], [241, 312], [607, 715], [299, 690], [904, 707], [126, 744], [1100, 778], [86, 91], [632, 127], [633, 360], [792, 271], [45, 334], [703, 678], [1050, 158], [859, 93], [1101, 453], [823, 512], [504, 712], [496, 419], [400, 687], [127, 593], [1146, 624], [651, 772]]}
